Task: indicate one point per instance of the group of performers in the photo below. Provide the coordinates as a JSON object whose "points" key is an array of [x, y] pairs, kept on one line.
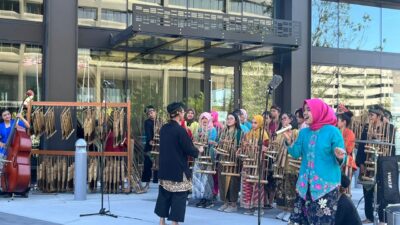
{"points": [[307, 161]]}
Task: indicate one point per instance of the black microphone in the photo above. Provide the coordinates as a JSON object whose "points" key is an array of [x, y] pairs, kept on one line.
{"points": [[275, 82], [109, 84]]}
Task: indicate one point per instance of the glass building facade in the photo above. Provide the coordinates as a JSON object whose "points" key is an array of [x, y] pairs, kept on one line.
{"points": [[355, 27], [360, 38], [143, 78]]}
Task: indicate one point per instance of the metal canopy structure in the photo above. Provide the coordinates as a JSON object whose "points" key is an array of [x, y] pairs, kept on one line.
{"points": [[183, 32]]}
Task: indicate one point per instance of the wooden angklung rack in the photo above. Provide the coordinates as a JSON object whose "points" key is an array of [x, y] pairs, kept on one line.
{"points": [[55, 171]]}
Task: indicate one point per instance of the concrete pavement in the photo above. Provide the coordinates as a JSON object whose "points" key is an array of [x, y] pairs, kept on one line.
{"points": [[49, 209]]}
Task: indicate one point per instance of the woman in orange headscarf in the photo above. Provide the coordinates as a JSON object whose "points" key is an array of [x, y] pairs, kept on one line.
{"points": [[249, 199]]}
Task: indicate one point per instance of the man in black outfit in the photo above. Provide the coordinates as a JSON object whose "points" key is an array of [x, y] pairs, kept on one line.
{"points": [[174, 173], [346, 213], [149, 133], [376, 114]]}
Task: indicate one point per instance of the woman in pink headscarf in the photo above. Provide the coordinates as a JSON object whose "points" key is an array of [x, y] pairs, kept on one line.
{"points": [[203, 183], [218, 126], [216, 123], [321, 148]]}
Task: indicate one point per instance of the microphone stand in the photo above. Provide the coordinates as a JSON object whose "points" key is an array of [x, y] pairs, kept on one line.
{"points": [[103, 211], [260, 145]]}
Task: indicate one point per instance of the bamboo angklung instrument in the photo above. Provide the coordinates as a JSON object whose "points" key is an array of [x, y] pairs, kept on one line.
{"points": [[206, 160], [381, 132], [227, 148], [50, 124], [38, 122], [155, 150], [66, 124], [248, 152]]}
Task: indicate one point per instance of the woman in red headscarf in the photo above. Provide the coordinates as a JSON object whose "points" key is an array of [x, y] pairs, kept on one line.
{"points": [[321, 148]]}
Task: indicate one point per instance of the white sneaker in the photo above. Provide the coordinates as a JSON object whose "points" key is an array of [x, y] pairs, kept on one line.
{"points": [[223, 207], [231, 209], [280, 215]]}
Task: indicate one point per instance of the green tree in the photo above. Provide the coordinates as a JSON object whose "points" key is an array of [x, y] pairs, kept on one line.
{"points": [[256, 76]]}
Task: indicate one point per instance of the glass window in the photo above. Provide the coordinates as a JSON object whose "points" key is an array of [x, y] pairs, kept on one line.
{"points": [[258, 8], [390, 30], [362, 87], [148, 1], [112, 15], [359, 27], [252, 7], [87, 13], [352, 26], [196, 91], [104, 13], [324, 24], [255, 76], [9, 5], [176, 83], [324, 83], [96, 66], [11, 9], [178, 2], [222, 88], [145, 87], [21, 71], [34, 8], [359, 88], [145, 79], [235, 6], [356, 87], [207, 4]]}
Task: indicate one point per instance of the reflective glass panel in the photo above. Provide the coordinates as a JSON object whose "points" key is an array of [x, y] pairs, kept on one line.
{"points": [[104, 13], [196, 91], [96, 66], [182, 3], [356, 87], [252, 7], [207, 4], [324, 83], [256, 76], [324, 24], [20, 70], [222, 89], [30, 10], [359, 27], [390, 30]]}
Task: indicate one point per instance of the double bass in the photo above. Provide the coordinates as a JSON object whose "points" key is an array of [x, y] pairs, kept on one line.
{"points": [[17, 168]]}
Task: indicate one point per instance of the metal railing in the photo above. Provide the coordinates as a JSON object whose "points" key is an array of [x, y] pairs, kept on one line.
{"points": [[187, 23]]}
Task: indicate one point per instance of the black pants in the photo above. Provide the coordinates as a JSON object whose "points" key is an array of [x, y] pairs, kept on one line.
{"points": [[147, 165], [368, 203], [171, 205]]}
